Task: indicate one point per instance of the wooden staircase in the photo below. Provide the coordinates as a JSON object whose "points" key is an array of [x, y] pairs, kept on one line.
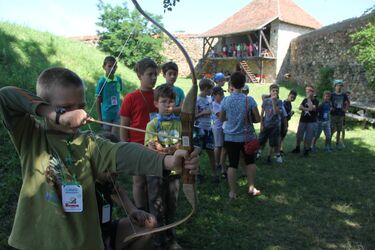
{"points": [[250, 74]]}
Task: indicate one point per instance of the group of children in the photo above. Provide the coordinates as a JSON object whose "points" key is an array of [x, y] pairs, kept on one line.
{"points": [[329, 116], [68, 174]]}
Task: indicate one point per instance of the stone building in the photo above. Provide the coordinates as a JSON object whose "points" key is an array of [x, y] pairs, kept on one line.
{"points": [[255, 39]]}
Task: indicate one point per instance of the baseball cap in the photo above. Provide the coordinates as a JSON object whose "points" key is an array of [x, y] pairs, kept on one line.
{"points": [[219, 76], [338, 82], [217, 90]]}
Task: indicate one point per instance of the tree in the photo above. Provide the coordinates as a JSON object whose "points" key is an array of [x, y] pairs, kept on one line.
{"points": [[120, 26], [168, 4], [364, 47]]}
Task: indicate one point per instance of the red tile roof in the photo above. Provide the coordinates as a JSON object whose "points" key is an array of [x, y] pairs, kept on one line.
{"points": [[259, 13]]}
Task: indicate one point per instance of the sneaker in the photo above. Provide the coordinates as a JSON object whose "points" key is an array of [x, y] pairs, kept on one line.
{"points": [[340, 146], [254, 192], [327, 149], [296, 150], [269, 160], [259, 153], [279, 159], [306, 152], [232, 196]]}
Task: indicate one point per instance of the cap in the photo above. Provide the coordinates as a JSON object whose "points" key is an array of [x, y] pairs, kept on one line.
{"points": [[338, 82], [217, 90], [219, 76]]}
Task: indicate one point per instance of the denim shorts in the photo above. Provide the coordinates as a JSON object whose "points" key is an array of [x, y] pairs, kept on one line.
{"points": [[203, 138]]}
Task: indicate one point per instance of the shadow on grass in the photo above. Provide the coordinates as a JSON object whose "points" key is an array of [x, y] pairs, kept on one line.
{"points": [[323, 201]]}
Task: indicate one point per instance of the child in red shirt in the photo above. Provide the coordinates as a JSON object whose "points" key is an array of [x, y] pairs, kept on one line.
{"points": [[136, 111]]}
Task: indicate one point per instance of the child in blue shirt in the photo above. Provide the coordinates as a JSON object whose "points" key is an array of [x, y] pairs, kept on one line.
{"points": [[170, 73], [108, 89], [324, 121], [203, 136]]}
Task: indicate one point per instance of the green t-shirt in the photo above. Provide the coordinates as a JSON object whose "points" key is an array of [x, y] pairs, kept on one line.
{"points": [[40, 221], [170, 128]]}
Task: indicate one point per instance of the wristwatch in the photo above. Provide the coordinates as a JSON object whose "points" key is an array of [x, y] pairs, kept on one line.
{"points": [[59, 111]]}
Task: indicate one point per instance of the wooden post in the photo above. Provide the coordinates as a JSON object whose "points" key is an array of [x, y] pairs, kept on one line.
{"points": [[204, 47], [260, 44]]}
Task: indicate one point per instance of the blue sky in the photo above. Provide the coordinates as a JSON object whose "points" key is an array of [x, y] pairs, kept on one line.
{"points": [[78, 17]]}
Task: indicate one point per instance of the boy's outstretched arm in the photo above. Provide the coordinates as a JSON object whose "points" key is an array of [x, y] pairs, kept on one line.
{"points": [[136, 159]]}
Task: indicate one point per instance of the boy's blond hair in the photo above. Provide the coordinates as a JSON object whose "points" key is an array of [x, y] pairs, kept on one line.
{"points": [[56, 77]]}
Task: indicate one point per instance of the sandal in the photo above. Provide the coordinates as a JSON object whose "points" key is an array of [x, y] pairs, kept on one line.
{"points": [[254, 192]]}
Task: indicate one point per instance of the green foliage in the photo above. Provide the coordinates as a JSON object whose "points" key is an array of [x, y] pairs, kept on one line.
{"points": [[168, 4], [364, 48], [325, 80], [129, 34]]}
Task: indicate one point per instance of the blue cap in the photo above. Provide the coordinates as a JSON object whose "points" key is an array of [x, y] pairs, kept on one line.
{"points": [[219, 76], [338, 82]]}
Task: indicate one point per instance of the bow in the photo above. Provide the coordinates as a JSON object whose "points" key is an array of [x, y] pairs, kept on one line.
{"points": [[187, 120]]}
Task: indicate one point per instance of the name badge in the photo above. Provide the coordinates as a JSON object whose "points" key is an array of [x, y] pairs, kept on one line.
{"points": [[72, 198], [106, 213], [114, 100]]}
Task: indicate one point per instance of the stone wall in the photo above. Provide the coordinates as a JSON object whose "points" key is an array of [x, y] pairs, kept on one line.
{"points": [[192, 44], [328, 47]]}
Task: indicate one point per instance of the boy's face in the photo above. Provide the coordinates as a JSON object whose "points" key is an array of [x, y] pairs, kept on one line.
{"points": [[148, 78], [206, 91], [70, 99], [171, 76], [326, 97], [220, 83], [309, 92], [338, 88], [274, 93], [218, 98], [165, 105], [110, 68], [291, 98]]}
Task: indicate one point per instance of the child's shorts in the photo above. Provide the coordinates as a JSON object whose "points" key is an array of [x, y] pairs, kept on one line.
{"points": [[114, 121], [234, 150], [218, 137], [337, 123], [203, 138], [306, 130], [272, 134]]}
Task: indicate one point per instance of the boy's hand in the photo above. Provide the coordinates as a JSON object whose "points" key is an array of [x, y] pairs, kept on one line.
{"points": [[142, 218], [181, 158], [72, 120]]}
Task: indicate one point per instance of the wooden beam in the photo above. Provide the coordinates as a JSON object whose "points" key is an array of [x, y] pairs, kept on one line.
{"points": [[260, 44], [204, 47], [266, 42]]}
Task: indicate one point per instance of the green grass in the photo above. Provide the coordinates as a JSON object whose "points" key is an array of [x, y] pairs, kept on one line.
{"points": [[323, 202]]}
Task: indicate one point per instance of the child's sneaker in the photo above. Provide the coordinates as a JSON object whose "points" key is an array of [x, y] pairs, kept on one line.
{"points": [[296, 150], [339, 146], [279, 159], [259, 153], [306, 152], [328, 149], [269, 160]]}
